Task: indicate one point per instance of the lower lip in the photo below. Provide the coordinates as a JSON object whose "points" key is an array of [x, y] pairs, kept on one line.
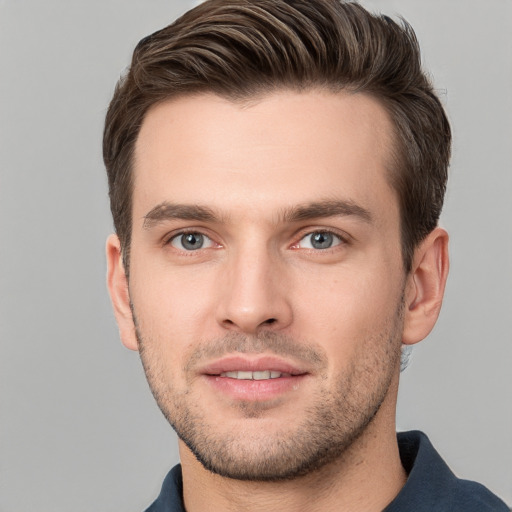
{"points": [[255, 390]]}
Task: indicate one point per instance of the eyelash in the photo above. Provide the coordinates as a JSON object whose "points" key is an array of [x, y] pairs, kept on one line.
{"points": [[183, 232], [341, 240]]}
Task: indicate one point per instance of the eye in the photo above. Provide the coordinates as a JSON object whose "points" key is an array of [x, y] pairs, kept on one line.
{"points": [[191, 241], [319, 240]]}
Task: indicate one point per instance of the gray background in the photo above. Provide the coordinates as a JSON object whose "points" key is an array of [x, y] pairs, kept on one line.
{"points": [[78, 428]]}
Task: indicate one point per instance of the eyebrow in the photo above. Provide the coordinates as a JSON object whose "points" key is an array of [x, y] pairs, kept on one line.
{"points": [[168, 211], [330, 208]]}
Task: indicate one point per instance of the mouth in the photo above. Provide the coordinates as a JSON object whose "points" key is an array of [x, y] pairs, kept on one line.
{"points": [[253, 368], [258, 375], [253, 379]]}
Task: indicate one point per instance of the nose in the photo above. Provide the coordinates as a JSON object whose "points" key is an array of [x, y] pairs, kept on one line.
{"points": [[253, 293]]}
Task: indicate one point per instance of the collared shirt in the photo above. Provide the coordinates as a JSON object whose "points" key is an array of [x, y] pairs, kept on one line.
{"points": [[430, 486]]}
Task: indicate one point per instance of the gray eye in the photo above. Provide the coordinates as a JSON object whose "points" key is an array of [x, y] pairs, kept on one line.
{"points": [[320, 240], [190, 241]]}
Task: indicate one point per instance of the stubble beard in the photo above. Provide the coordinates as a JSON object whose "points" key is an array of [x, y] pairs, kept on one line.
{"points": [[340, 415]]}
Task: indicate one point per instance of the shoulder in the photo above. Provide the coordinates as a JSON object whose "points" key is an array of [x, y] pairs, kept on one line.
{"points": [[472, 496], [431, 485]]}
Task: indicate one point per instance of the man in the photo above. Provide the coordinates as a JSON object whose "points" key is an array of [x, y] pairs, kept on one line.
{"points": [[276, 172]]}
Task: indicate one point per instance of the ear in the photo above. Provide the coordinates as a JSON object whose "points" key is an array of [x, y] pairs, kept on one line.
{"points": [[117, 284], [425, 286]]}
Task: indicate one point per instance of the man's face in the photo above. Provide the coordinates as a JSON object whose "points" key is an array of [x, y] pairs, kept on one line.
{"points": [[266, 276]]}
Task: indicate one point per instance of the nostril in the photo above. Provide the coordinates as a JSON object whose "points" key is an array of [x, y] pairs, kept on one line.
{"points": [[250, 324]]}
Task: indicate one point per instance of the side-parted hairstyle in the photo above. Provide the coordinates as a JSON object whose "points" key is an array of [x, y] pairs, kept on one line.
{"points": [[240, 49]]}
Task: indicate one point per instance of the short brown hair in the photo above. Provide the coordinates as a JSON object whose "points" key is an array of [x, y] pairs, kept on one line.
{"points": [[241, 48]]}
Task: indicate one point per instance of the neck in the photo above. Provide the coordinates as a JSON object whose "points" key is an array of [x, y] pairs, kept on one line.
{"points": [[366, 478]]}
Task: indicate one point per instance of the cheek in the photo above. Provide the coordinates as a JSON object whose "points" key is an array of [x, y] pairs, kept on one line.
{"points": [[345, 309], [173, 307]]}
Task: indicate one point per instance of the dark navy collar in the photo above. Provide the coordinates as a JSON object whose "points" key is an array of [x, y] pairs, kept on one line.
{"points": [[171, 495], [430, 487]]}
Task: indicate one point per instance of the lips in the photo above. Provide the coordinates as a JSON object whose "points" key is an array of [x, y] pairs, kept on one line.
{"points": [[257, 379], [242, 368], [259, 375]]}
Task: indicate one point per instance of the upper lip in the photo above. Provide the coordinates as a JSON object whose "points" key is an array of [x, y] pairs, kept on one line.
{"points": [[247, 364]]}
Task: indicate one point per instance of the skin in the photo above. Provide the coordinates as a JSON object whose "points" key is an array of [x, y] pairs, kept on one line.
{"points": [[259, 287]]}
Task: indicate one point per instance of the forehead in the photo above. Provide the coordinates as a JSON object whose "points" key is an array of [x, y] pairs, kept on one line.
{"points": [[282, 149]]}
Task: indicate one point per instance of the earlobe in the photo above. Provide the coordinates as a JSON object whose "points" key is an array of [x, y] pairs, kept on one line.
{"points": [[117, 284], [425, 286]]}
